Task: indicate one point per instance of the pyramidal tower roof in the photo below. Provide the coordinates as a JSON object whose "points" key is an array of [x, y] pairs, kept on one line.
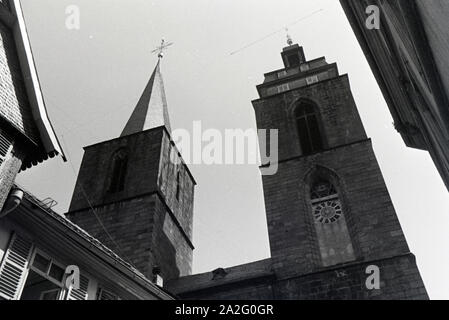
{"points": [[151, 111]]}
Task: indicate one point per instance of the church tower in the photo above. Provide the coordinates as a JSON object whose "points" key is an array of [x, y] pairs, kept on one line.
{"points": [[330, 218], [135, 194]]}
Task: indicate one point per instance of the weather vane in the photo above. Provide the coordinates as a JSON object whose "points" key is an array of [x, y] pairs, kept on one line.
{"points": [[160, 50], [289, 39]]}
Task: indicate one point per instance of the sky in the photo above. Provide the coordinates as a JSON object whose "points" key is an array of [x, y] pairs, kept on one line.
{"points": [[92, 79]]}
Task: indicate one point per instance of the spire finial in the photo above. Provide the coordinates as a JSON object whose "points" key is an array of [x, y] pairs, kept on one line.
{"points": [[160, 50], [289, 39]]}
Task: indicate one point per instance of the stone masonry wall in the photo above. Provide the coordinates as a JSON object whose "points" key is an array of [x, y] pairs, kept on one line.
{"points": [[151, 227], [144, 234], [399, 279], [372, 222], [14, 105], [339, 116]]}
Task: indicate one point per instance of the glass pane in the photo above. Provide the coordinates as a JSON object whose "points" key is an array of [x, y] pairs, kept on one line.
{"points": [[56, 273], [41, 263]]}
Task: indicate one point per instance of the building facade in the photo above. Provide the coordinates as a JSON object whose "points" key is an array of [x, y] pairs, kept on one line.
{"points": [[140, 190], [130, 224], [38, 249], [330, 217], [409, 56]]}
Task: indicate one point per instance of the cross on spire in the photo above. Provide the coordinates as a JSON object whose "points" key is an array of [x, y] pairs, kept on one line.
{"points": [[160, 50]]}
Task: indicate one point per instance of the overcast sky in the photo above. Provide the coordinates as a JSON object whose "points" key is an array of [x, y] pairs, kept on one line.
{"points": [[93, 77]]}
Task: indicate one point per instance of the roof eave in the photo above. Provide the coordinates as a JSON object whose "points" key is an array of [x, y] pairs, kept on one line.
{"points": [[31, 80]]}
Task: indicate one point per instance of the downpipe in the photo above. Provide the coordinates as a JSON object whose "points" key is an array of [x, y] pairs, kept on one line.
{"points": [[14, 200]]}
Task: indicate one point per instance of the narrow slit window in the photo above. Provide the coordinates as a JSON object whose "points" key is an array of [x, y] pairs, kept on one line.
{"points": [[309, 132], [118, 172]]}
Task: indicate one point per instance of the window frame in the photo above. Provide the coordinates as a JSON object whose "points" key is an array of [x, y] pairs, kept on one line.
{"points": [[116, 183], [47, 275]]}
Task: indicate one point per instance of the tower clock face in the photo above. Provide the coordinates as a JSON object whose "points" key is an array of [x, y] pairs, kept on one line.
{"points": [[327, 211]]}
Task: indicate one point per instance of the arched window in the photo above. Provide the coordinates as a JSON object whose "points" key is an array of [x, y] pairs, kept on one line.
{"points": [[334, 240], [119, 164], [310, 137]]}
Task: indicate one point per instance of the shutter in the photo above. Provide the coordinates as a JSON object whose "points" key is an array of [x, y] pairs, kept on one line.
{"points": [[5, 146], [81, 293], [14, 267]]}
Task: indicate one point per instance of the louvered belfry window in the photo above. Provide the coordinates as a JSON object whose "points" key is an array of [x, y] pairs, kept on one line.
{"points": [[14, 267], [309, 132], [5, 146]]}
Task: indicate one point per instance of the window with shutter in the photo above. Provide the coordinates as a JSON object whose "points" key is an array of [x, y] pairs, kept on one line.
{"points": [[82, 292], [14, 267], [5, 146]]}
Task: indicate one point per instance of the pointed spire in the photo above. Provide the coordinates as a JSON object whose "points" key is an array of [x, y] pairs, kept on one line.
{"points": [[151, 110]]}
